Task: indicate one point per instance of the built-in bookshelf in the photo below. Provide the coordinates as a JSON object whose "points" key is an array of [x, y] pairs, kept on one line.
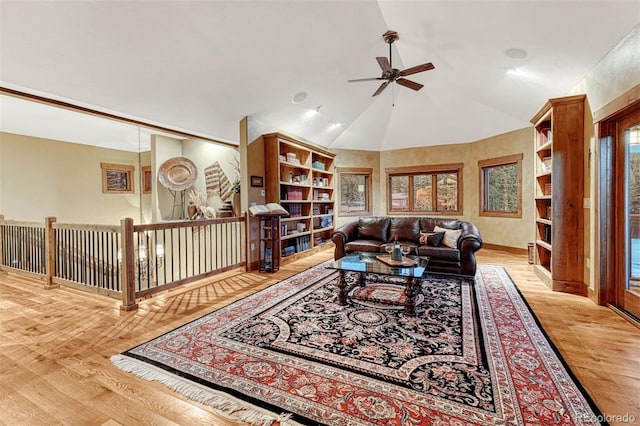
{"points": [[300, 177], [559, 192]]}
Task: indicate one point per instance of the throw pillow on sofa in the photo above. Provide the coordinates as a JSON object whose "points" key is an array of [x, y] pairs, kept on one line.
{"points": [[451, 236], [431, 238]]}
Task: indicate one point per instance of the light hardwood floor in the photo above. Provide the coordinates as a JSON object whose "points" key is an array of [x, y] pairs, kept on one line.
{"points": [[55, 347]]}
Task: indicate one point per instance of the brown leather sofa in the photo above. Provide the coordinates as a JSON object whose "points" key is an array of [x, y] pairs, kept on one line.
{"points": [[370, 234]]}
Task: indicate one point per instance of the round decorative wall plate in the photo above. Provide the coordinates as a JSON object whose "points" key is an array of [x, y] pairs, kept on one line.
{"points": [[177, 173]]}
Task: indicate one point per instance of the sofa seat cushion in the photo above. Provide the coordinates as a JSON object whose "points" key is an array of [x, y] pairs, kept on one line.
{"points": [[370, 246], [442, 252]]}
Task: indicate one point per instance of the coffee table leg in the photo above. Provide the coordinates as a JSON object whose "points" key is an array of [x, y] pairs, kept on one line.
{"points": [[361, 279], [342, 285], [410, 293]]}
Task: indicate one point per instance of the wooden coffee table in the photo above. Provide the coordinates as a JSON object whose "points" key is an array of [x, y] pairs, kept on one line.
{"points": [[369, 263]]}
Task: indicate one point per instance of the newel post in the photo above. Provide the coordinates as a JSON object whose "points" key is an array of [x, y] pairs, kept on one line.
{"points": [[50, 246], [128, 265]]}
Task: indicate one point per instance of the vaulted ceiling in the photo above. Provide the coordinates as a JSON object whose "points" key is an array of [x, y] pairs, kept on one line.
{"points": [[201, 66]]}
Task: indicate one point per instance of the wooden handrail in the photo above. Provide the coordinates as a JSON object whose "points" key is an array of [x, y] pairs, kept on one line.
{"points": [[107, 259]]}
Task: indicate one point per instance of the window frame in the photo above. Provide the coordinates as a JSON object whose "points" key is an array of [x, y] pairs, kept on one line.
{"points": [[498, 162], [456, 168], [360, 171], [146, 179], [111, 187]]}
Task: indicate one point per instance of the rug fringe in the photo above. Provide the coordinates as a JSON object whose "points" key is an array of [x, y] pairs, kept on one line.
{"points": [[228, 406]]}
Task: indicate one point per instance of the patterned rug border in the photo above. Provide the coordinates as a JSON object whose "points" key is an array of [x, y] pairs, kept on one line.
{"points": [[232, 404], [555, 349], [238, 406]]}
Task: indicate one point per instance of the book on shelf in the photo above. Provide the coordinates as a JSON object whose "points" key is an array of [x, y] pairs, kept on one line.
{"points": [[326, 221], [292, 158], [546, 237], [545, 135], [295, 210], [303, 243], [293, 194], [269, 209], [268, 257]]}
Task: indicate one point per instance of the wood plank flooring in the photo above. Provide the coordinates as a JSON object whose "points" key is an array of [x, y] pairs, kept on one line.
{"points": [[55, 347]]}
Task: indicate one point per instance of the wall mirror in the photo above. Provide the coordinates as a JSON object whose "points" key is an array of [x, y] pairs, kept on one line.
{"points": [[94, 169]]}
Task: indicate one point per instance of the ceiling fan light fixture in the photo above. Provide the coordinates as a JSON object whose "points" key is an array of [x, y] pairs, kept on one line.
{"points": [[299, 97]]}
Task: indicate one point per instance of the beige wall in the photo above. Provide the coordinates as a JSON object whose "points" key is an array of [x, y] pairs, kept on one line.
{"points": [[511, 232], [504, 231], [42, 177], [1, 174], [617, 73]]}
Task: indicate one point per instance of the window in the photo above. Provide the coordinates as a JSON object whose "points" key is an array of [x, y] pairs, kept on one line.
{"points": [[501, 186], [355, 191], [433, 189]]}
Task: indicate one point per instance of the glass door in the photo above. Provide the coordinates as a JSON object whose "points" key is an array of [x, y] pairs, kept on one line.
{"points": [[629, 136]]}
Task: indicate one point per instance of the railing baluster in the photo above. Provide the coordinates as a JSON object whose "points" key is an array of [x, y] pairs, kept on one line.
{"points": [[88, 255]]}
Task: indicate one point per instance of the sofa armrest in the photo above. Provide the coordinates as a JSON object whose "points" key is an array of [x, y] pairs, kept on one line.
{"points": [[341, 236], [470, 242]]}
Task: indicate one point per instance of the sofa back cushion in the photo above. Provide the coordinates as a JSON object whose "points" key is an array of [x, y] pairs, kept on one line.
{"points": [[406, 228], [373, 228], [428, 223]]}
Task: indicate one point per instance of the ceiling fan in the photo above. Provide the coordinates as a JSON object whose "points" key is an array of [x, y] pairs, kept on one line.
{"points": [[391, 74]]}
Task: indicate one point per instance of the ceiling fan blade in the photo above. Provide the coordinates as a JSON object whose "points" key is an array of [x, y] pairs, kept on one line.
{"points": [[366, 79], [384, 64], [418, 68], [381, 88], [410, 84]]}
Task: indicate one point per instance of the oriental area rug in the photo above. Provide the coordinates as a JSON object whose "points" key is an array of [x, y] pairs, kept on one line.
{"points": [[473, 354]]}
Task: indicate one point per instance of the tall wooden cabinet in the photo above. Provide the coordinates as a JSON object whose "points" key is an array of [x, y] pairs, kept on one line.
{"points": [[559, 194], [299, 177]]}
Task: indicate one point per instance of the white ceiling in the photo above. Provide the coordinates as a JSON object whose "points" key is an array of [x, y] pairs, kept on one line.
{"points": [[201, 66]]}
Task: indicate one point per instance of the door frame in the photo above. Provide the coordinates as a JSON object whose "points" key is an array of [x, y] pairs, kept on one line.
{"points": [[610, 247]]}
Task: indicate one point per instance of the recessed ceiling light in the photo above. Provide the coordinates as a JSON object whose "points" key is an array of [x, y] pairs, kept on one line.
{"points": [[299, 97], [516, 53], [312, 112]]}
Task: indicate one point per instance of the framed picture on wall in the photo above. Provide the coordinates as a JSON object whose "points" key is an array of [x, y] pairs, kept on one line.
{"points": [[117, 178], [146, 179], [257, 181]]}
